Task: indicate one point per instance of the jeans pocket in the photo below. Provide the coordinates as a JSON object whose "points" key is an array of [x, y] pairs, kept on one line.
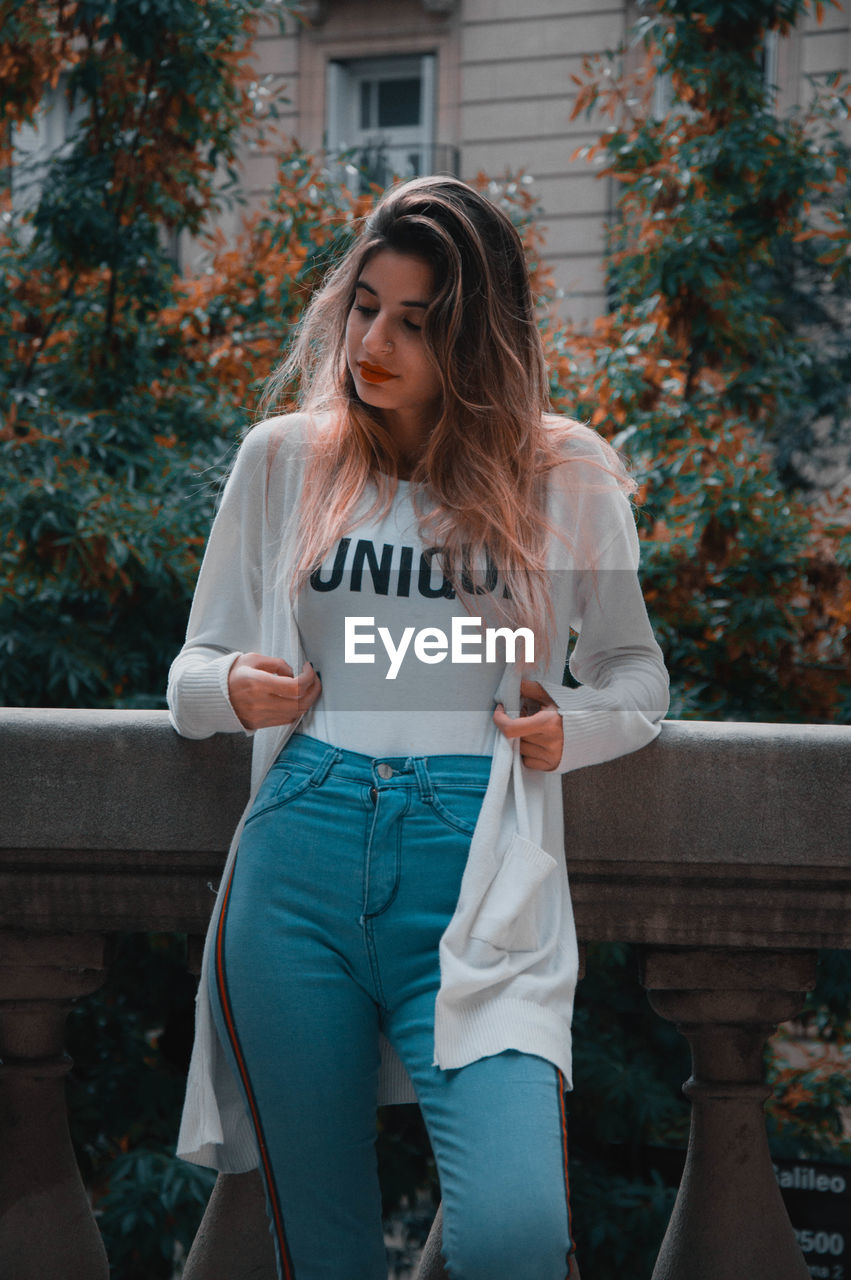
{"points": [[458, 806], [509, 916], [281, 785]]}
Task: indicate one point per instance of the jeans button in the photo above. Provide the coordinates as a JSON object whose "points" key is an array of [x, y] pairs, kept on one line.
{"points": [[384, 770]]}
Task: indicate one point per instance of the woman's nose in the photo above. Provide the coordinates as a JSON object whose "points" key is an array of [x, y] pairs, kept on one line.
{"points": [[376, 338]]}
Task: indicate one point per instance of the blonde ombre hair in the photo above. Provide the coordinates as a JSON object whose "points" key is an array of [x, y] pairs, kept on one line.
{"points": [[480, 485]]}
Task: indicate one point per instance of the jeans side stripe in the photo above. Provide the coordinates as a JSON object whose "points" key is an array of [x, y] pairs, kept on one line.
{"points": [[563, 1114], [224, 998]]}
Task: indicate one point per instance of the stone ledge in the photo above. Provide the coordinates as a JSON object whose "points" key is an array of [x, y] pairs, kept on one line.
{"points": [[716, 834]]}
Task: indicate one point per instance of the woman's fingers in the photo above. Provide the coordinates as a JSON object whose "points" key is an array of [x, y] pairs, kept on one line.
{"points": [[541, 733], [263, 691], [262, 662], [307, 687], [532, 689], [543, 725]]}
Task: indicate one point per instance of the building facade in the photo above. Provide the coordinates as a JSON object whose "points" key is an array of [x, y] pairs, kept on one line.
{"points": [[469, 86], [407, 87]]}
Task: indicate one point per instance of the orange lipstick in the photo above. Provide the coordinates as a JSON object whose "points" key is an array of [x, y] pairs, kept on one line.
{"points": [[375, 373]]}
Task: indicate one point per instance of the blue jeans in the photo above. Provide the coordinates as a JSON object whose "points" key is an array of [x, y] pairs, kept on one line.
{"points": [[347, 873]]}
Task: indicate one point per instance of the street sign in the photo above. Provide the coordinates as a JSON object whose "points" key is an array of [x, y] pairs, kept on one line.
{"points": [[817, 1196]]}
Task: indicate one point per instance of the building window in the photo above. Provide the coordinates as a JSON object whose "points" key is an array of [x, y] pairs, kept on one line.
{"points": [[663, 95], [770, 68], [381, 118], [35, 144], [389, 103]]}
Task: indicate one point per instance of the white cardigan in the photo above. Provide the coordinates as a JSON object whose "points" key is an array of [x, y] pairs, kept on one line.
{"points": [[508, 958]]}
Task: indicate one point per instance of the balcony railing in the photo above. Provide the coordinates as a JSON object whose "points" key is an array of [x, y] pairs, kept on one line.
{"points": [[721, 849], [381, 163]]}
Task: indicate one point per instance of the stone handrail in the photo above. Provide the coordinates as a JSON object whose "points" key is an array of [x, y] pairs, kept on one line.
{"points": [[721, 849]]}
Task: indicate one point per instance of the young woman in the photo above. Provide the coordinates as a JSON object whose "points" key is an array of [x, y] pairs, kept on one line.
{"points": [[386, 603]]}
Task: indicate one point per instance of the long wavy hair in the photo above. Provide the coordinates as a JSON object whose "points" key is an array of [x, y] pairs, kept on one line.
{"points": [[479, 487]]}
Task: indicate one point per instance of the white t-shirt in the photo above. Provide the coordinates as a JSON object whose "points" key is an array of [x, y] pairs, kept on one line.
{"points": [[404, 665]]}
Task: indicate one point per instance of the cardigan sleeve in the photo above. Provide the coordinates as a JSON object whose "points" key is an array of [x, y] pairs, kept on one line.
{"points": [[623, 694], [225, 619]]}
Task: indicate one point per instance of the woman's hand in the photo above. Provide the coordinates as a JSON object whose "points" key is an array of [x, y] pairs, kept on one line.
{"points": [[541, 732], [263, 691]]}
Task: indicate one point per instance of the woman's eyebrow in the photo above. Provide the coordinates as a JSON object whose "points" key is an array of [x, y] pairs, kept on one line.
{"points": [[362, 284]]}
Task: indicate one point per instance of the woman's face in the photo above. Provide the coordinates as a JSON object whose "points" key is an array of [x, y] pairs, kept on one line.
{"points": [[385, 347]]}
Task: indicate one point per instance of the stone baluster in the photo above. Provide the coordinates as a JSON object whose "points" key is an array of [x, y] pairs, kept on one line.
{"points": [[431, 1262], [233, 1241], [47, 1229], [729, 1221]]}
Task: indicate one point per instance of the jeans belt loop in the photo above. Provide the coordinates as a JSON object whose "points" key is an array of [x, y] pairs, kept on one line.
{"points": [[423, 778], [320, 773]]}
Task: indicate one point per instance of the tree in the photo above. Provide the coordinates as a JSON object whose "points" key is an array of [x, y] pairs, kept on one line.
{"points": [[731, 235], [100, 532], [701, 365]]}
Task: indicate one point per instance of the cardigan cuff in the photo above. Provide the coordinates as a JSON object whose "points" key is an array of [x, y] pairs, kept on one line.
{"points": [[599, 725], [201, 704]]}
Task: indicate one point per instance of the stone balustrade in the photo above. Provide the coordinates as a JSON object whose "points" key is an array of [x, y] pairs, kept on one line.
{"points": [[722, 850]]}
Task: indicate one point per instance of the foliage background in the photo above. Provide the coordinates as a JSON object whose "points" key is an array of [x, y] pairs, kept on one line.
{"points": [[125, 388]]}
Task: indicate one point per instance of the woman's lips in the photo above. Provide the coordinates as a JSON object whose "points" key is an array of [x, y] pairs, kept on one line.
{"points": [[374, 372]]}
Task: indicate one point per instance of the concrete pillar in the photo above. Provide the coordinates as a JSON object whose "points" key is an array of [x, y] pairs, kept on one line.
{"points": [[431, 1263], [729, 1221], [46, 1225], [233, 1241]]}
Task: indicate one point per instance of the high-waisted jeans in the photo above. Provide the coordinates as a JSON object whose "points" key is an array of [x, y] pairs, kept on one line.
{"points": [[347, 873]]}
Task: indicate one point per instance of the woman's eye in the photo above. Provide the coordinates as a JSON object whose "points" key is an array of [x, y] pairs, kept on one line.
{"points": [[369, 312]]}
